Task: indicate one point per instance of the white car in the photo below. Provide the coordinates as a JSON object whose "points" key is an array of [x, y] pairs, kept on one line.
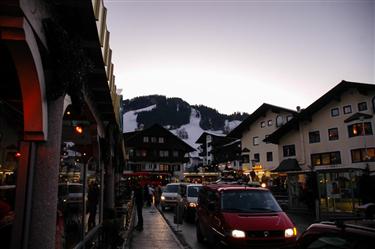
{"points": [[171, 195]]}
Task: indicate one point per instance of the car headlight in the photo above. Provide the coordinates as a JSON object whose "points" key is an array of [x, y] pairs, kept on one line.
{"points": [[162, 198], [238, 234], [263, 185], [192, 205], [290, 232]]}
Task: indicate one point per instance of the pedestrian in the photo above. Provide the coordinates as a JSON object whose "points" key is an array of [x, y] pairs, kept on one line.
{"points": [[157, 195], [151, 191], [138, 200], [146, 195], [92, 203]]}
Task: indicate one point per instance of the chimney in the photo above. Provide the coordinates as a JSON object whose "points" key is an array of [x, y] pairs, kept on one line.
{"points": [[298, 108]]}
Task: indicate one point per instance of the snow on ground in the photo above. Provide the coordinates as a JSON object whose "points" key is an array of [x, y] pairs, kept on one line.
{"points": [[130, 118], [194, 130], [233, 124]]}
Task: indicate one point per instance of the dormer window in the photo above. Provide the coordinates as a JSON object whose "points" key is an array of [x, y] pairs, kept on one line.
{"points": [[269, 122], [279, 121], [262, 124]]}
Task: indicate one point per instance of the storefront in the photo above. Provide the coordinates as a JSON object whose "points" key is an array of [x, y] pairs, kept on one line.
{"points": [[339, 190]]}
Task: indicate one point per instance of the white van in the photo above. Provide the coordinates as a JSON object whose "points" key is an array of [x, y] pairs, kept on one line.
{"points": [[190, 200]]}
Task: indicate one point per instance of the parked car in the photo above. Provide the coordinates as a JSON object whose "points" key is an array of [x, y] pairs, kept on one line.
{"points": [[171, 195], [190, 200], [342, 233], [71, 195], [338, 234], [239, 216]]}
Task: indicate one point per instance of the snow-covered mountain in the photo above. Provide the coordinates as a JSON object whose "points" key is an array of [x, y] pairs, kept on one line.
{"points": [[189, 132]]}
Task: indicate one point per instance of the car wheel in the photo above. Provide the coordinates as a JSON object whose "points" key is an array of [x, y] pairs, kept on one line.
{"points": [[200, 237]]}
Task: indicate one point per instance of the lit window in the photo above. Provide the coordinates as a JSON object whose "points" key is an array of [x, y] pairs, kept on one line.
{"points": [[360, 129], [363, 155], [161, 140], [333, 134], [328, 158], [145, 139]]}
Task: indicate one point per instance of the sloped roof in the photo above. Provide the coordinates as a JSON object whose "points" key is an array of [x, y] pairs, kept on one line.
{"points": [[306, 114], [358, 116], [157, 130], [202, 137], [244, 125], [286, 165]]}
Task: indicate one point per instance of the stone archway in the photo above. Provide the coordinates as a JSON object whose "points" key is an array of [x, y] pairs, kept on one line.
{"points": [[35, 174], [19, 38]]}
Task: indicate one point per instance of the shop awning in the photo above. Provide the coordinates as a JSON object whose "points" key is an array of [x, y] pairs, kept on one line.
{"points": [[286, 165]]}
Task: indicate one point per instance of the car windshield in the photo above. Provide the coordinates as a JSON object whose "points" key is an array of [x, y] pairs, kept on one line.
{"points": [[193, 191], [249, 201], [171, 188]]}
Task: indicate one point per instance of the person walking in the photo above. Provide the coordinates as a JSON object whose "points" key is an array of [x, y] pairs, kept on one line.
{"points": [[157, 195], [138, 199]]}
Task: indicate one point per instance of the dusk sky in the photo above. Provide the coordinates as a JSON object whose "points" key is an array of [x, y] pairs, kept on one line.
{"points": [[234, 55]]}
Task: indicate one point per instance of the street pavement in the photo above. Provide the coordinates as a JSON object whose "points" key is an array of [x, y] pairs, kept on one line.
{"points": [[156, 233], [161, 233]]}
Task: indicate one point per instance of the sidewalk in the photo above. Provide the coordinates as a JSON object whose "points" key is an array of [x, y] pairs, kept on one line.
{"points": [[156, 233]]}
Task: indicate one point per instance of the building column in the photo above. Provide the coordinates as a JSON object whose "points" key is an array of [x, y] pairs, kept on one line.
{"points": [[45, 182]]}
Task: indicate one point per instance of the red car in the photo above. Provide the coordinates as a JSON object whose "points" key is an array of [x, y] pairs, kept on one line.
{"points": [[239, 216], [339, 234]]}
